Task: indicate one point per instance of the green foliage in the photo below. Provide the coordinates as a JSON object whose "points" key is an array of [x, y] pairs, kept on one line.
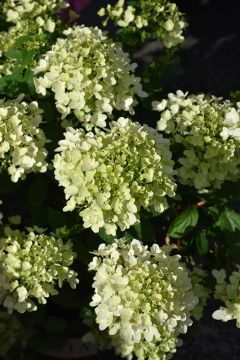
{"points": [[229, 220], [202, 243], [184, 223]]}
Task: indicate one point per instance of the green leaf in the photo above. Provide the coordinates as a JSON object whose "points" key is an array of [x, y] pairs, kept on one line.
{"points": [[229, 220], [202, 243], [28, 78], [233, 244], [56, 219], [184, 223], [109, 239], [37, 191], [13, 54]]}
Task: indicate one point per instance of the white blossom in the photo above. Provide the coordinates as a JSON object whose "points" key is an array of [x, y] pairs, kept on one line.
{"points": [[110, 176], [89, 75], [158, 19], [143, 298], [31, 264], [205, 136], [227, 290], [21, 140]]}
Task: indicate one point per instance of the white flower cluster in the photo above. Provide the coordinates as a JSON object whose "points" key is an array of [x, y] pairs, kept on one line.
{"points": [[114, 173], [89, 75], [159, 19], [21, 140], [198, 277], [30, 266], [42, 11], [11, 331], [227, 291], [143, 298], [205, 137]]}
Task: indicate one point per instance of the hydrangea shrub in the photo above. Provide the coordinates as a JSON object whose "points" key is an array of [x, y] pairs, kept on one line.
{"points": [[80, 182]]}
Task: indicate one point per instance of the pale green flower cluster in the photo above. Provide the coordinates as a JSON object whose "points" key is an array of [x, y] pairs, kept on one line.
{"points": [[228, 291], [31, 264], [89, 75], [11, 331], [21, 140], [111, 175], [158, 19], [42, 11], [205, 137], [198, 277], [143, 298]]}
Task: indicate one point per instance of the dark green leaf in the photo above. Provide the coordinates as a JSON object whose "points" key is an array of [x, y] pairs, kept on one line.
{"points": [[229, 220], [233, 244], [202, 243], [56, 219], [184, 223], [109, 239], [37, 191]]}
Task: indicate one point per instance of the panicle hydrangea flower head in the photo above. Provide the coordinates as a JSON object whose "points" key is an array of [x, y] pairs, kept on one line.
{"points": [[111, 175], [31, 264], [89, 75], [227, 290], [143, 298], [205, 136], [21, 140], [11, 332], [152, 19], [198, 277], [42, 11]]}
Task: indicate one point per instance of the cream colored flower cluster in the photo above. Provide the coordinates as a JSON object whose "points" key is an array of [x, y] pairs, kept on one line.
{"points": [[143, 298], [21, 140], [198, 277], [205, 137], [11, 331], [228, 291], [31, 264], [159, 19], [111, 175], [89, 75], [42, 11]]}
